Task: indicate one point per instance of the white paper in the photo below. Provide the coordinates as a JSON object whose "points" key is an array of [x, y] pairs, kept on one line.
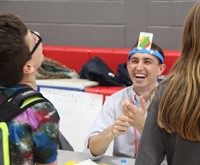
{"points": [[77, 111], [87, 162]]}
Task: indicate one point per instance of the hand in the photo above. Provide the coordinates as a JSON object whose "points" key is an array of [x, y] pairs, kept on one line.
{"points": [[138, 115], [121, 125]]}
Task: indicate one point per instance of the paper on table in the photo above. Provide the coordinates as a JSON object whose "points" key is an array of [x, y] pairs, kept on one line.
{"points": [[87, 162]]}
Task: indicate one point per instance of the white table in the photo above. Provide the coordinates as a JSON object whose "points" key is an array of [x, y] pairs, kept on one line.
{"points": [[66, 156]]}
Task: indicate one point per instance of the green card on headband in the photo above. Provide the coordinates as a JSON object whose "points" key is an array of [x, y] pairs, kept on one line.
{"points": [[145, 40]]}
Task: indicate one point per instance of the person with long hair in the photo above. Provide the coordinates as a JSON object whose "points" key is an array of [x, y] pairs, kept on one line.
{"points": [[172, 126]]}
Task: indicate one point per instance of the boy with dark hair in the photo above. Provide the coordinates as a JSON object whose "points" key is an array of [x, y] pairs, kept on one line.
{"points": [[33, 134]]}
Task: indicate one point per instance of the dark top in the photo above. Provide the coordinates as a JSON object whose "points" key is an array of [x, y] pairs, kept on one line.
{"points": [[156, 142]]}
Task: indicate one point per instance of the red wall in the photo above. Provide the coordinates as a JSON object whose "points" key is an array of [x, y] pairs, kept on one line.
{"points": [[75, 57]]}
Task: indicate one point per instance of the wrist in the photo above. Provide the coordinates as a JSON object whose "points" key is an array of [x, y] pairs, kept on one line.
{"points": [[113, 133]]}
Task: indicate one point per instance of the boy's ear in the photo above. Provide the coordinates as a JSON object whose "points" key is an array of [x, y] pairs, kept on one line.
{"points": [[127, 65], [162, 68], [28, 69]]}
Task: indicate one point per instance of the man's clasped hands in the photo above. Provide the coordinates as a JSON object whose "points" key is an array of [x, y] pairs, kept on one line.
{"points": [[132, 116]]}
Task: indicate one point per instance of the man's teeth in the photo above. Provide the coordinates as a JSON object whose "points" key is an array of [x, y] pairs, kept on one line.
{"points": [[140, 75]]}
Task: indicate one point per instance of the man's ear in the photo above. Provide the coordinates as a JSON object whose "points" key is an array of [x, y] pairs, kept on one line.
{"points": [[28, 69], [128, 65], [162, 68]]}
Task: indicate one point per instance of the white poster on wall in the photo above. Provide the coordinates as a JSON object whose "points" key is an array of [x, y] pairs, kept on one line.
{"points": [[77, 112]]}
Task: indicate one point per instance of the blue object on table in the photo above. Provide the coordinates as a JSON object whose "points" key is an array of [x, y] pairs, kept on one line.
{"points": [[123, 161]]}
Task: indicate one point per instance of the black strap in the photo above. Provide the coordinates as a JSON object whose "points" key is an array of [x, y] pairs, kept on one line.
{"points": [[11, 106]]}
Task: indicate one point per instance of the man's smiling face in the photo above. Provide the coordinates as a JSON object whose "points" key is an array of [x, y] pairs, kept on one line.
{"points": [[144, 70]]}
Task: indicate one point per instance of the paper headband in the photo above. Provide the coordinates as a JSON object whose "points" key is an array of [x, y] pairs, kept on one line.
{"points": [[144, 46]]}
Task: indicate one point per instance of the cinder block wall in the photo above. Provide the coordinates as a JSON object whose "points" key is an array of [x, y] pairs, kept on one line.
{"points": [[102, 23]]}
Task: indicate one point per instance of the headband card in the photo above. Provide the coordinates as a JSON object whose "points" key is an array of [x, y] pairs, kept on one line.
{"points": [[145, 40]]}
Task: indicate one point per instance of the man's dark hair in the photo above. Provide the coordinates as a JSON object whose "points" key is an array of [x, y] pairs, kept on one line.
{"points": [[14, 51]]}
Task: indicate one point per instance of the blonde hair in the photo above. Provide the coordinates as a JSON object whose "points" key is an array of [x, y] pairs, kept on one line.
{"points": [[179, 109]]}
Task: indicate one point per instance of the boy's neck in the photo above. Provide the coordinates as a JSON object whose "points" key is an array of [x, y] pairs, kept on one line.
{"points": [[145, 92]]}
